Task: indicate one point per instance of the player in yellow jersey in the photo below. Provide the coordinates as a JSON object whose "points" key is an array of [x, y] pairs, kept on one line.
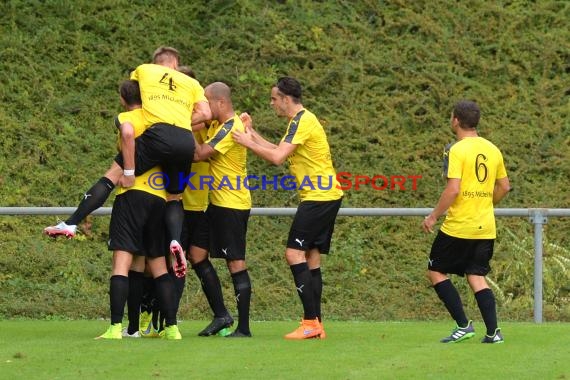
{"points": [[172, 101], [306, 148], [230, 200], [476, 181], [137, 230], [196, 242]]}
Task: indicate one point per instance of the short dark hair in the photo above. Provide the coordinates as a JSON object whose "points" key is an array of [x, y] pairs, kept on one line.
{"points": [[130, 92], [468, 114], [290, 87], [187, 70], [164, 54]]}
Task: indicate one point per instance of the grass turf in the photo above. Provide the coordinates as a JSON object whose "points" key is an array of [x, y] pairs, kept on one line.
{"points": [[35, 349]]}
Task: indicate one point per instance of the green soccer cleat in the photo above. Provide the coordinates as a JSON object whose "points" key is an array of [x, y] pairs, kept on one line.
{"points": [[460, 334], [113, 332], [151, 333], [224, 332], [145, 321], [171, 333]]}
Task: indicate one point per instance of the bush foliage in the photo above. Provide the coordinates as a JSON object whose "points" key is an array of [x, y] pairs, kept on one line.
{"points": [[382, 76]]}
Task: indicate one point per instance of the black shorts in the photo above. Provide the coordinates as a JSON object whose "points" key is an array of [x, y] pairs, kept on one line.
{"points": [[228, 229], [460, 256], [313, 225], [170, 147], [137, 224], [195, 232]]}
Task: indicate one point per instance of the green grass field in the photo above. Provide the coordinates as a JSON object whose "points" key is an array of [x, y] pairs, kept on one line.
{"points": [[353, 350]]}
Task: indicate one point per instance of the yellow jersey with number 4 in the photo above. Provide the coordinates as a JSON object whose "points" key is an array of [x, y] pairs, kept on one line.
{"points": [[168, 96]]}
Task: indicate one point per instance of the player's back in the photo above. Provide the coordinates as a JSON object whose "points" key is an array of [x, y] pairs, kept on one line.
{"points": [[168, 96]]}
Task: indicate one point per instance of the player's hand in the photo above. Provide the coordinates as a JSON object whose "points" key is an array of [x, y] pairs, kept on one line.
{"points": [[244, 138], [127, 181], [246, 120], [428, 223]]}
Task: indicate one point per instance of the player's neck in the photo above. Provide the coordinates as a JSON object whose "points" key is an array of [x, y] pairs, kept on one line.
{"points": [[294, 110], [463, 133], [225, 116]]}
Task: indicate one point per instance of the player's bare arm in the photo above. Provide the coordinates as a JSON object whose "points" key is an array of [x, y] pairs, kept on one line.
{"points": [[203, 152], [502, 187], [128, 151], [445, 201], [201, 113], [255, 136]]}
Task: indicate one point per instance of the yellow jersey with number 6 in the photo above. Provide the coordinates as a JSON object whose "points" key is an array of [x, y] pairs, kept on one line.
{"points": [[477, 163]]}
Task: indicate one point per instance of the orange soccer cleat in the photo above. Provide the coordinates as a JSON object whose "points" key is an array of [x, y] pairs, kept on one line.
{"points": [[310, 328]]}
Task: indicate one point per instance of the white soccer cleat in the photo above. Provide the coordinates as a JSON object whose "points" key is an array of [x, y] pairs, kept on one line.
{"points": [[125, 333], [61, 229]]}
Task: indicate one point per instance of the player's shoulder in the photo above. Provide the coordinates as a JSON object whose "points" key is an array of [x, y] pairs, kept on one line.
{"points": [[489, 145]]}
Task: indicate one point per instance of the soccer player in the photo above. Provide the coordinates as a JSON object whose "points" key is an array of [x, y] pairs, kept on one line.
{"points": [[195, 241], [172, 101], [230, 202], [137, 228], [476, 181], [306, 148]]}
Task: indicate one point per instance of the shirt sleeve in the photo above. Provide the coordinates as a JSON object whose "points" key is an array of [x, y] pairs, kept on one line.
{"points": [[297, 131], [222, 139], [501, 170], [455, 166]]}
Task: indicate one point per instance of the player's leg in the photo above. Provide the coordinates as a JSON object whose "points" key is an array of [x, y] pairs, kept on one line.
{"points": [[242, 291], [134, 299], [196, 239], [118, 293], [94, 198], [448, 256], [324, 218], [477, 269], [227, 235], [166, 296]]}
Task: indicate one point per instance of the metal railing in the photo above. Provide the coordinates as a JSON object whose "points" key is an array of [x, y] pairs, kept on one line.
{"points": [[537, 216]]}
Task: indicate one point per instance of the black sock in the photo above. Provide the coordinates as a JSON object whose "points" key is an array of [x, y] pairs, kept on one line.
{"points": [[487, 305], [166, 298], [304, 284], [149, 294], [242, 289], [448, 294], [211, 286], [317, 289], [179, 283], [174, 219], [94, 198], [118, 293], [156, 322], [136, 280]]}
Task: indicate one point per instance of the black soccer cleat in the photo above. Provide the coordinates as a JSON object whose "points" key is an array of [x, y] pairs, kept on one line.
{"points": [[217, 324]]}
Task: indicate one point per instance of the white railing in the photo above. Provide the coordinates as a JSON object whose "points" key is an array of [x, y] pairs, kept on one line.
{"points": [[537, 216]]}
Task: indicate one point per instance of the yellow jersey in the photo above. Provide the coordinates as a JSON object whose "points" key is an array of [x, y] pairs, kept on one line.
{"points": [[168, 96], [311, 163], [195, 196], [228, 166], [152, 180], [477, 163]]}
